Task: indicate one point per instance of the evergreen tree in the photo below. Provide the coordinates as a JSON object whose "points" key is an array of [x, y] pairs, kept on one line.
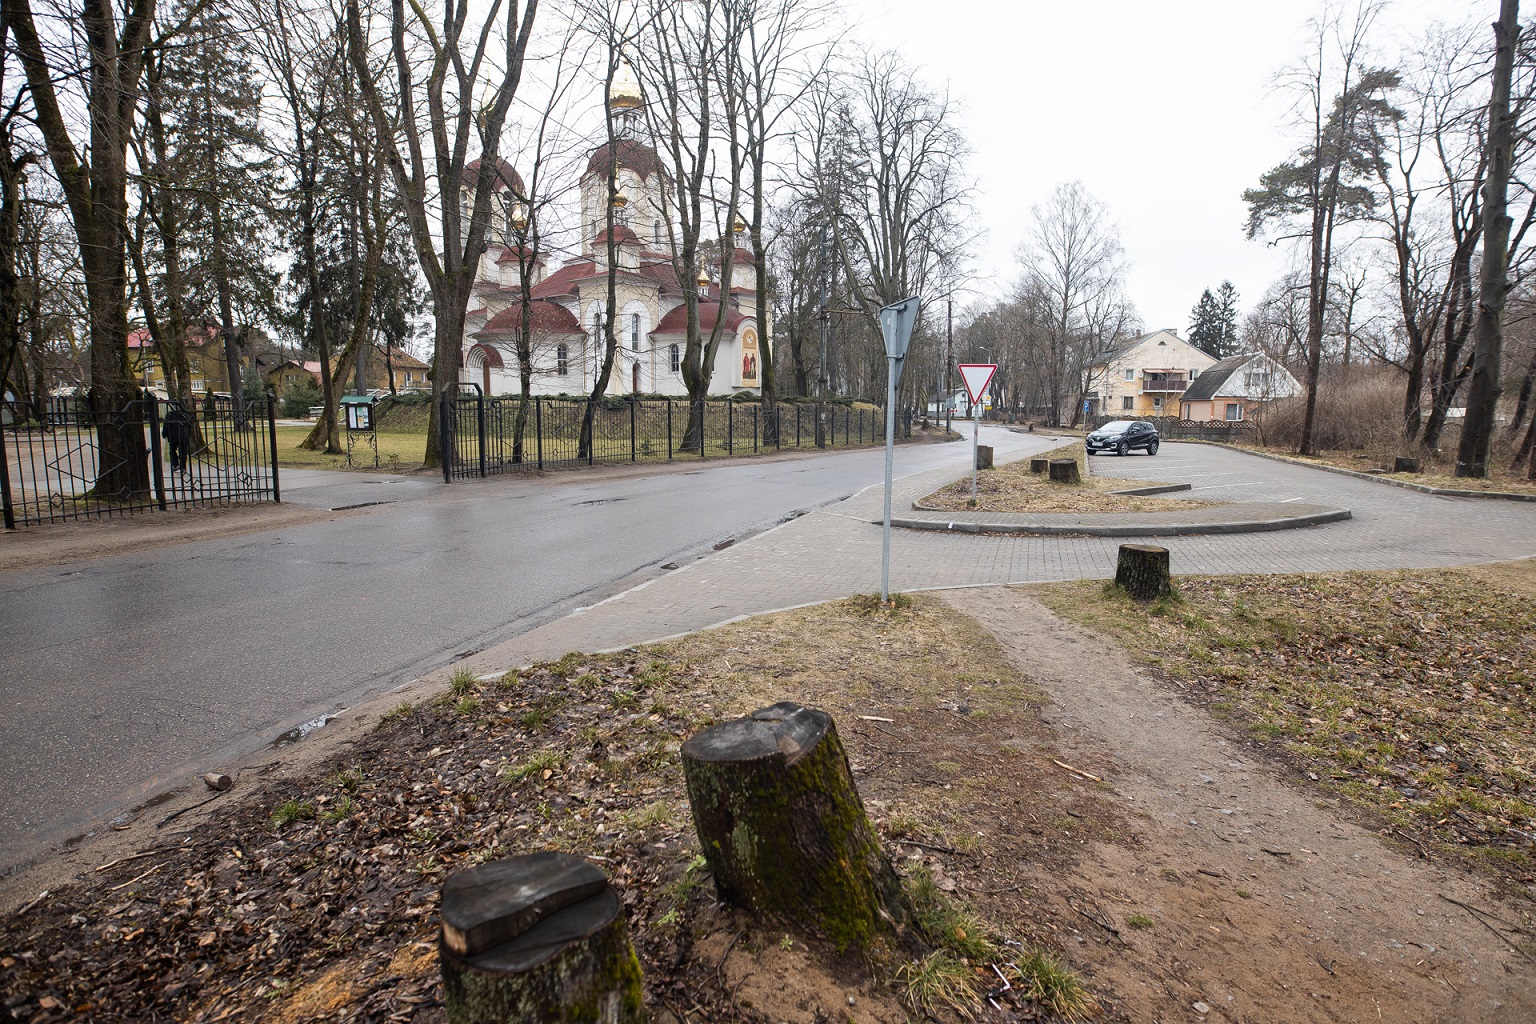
{"points": [[1205, 324], [1226, 300]]}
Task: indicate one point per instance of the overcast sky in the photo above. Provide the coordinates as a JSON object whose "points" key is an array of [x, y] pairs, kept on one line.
{"points": [[1165, 110]]}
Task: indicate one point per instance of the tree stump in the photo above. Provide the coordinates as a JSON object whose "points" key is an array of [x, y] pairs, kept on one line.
{"points": [[536, 938], [983, 456], [1064, 471], [783, 829], [1143, 571], [1039, 465], [1404, 464]]}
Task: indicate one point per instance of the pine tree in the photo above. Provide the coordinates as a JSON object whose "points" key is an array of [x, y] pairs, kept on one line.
{"points": [[1205, 324]]}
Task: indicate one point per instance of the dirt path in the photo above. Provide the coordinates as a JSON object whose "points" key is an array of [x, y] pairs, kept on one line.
{"points": [[1267, 903]]}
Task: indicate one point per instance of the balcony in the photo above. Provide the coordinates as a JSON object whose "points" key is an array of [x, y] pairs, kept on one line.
{"points": [[1163, 384]]}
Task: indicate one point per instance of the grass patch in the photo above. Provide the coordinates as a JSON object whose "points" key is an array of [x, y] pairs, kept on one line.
{"points": [[290, 812], [1411, 691], [1013, 488]]}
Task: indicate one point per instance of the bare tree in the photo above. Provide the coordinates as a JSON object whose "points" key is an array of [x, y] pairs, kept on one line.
{"points": [[1493, 279], [1073, 261], [455, 116]]}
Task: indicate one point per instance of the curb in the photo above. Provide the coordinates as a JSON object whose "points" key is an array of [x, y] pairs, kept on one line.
{"points": [[1159, 489], [1444, 492], [1128, 530]]}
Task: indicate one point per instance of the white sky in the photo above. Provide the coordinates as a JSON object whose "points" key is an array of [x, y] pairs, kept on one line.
{"points": [[1165, 109]]}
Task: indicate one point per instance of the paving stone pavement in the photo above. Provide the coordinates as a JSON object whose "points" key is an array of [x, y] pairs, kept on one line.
{"points": [[835, 552]]}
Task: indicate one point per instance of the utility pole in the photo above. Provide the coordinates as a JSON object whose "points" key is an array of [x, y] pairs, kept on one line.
{"points": [[949, 357], [825, 317]]}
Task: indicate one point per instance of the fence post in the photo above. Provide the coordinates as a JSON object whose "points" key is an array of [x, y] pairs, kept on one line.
{"points": [[277, 491], [480, 425], [538, 430], [797, 424], [7, 507], [754, 430], [669, 430], [634, 404], [446, 441], [730, 426], [152, 408], [703, 425]]}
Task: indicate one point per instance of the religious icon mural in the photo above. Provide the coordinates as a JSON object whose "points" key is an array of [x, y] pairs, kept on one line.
{"points": [[749, 359]]}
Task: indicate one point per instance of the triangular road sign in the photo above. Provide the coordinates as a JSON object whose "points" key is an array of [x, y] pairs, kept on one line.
{"points": [[977, 376]]}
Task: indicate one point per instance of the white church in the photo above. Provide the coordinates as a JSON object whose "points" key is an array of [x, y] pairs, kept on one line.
{"points": [[569, 305]]}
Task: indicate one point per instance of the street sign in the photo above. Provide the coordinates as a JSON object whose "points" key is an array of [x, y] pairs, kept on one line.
{"points": [[896, 322], [977, 376]]}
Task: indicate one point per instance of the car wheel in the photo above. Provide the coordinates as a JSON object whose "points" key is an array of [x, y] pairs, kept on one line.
{"points": [[1122, 448], [1152, 448]]}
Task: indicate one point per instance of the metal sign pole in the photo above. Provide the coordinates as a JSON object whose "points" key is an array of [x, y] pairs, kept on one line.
{"points": [[975, 449], [890, 460]]}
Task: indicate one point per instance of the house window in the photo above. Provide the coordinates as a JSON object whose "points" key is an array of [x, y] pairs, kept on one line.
{"points": [[1130, 375], [676, 361], [1256, 380], [1127, 402], [562, 359], [1234, 411], [1157, 405], [634, 332]]}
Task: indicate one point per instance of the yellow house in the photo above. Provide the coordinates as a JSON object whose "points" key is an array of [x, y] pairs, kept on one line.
{"points": [[1144, 377], [206, 365]]}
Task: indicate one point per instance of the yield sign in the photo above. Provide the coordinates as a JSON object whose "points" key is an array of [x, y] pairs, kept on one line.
{"points": [[977, 376]]}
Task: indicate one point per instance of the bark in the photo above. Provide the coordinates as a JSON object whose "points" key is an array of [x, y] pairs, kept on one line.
{"points": [[1142, 571], [96, 193], [784, 831], [1493, 282]]}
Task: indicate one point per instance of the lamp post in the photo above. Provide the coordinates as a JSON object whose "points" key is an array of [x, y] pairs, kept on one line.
{"points": [[825, 316]]}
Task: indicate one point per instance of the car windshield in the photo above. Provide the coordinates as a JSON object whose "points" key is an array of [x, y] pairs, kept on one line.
{"points": [[1116, 425]]}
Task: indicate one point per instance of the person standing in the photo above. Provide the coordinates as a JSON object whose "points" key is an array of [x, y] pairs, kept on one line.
{"points": [[178, 436]]}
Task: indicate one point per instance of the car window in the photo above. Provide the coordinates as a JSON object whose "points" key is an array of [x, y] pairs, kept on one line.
{"points": [[1116, 425]]}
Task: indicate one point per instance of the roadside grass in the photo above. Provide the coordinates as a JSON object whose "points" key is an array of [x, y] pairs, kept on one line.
{"points": [[1438, 471], [1408, 691], [1013, 488], [581, 755], [398, 451]]}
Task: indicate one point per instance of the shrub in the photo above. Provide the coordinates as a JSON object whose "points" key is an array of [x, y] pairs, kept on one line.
{"points": [[298, 399]]}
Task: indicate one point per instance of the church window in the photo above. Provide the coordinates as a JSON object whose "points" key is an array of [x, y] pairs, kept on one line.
{"points": [[562, 359], [634, 332], [676, 362]]}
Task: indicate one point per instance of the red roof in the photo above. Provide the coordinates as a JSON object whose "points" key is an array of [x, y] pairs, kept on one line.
{"points": [[516, 254], [621, 234], [563, 281], [548, 318], [507, 178], [631, 153], [676, 322], [139, 337]]}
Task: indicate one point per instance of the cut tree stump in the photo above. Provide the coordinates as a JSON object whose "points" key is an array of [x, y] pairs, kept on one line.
{"points": [[983, 456], [1064, 471], [1405, 465], [536, 938], [784, 831], [1143, 571], [1039, 465]]}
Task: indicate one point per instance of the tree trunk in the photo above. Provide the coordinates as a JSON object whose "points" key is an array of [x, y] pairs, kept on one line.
{"points": [[538, 938], [1493, 277], [783, 830], [1142, 571]]}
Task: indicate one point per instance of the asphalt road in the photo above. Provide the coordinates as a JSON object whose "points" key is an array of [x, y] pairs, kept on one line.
{"points": [[120, 674]]}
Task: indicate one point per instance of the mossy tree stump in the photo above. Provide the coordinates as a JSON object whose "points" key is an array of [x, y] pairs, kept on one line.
{"points": [[1142, 571], [784, 831], [1039, 465], [537, 938], [1064, 471]]}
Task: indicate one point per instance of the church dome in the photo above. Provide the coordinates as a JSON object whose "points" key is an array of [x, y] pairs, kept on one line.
{"points": [[506, 177], [630, 154], [624, 93]]}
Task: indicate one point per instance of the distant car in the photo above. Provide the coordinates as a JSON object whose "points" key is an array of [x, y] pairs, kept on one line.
{"points": [[1121, 436]]}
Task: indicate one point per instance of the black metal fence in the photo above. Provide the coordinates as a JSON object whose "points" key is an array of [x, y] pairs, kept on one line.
{"points": [[1171, 428], [75, 458], [485, 436]]}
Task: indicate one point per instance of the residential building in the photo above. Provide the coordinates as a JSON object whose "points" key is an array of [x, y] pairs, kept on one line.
{"points": [[1236, 387], [567, 308], [1145, 376], [207, 369]]}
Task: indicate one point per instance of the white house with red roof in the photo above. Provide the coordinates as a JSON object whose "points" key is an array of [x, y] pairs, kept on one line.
{"points": [[566, 314]]}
